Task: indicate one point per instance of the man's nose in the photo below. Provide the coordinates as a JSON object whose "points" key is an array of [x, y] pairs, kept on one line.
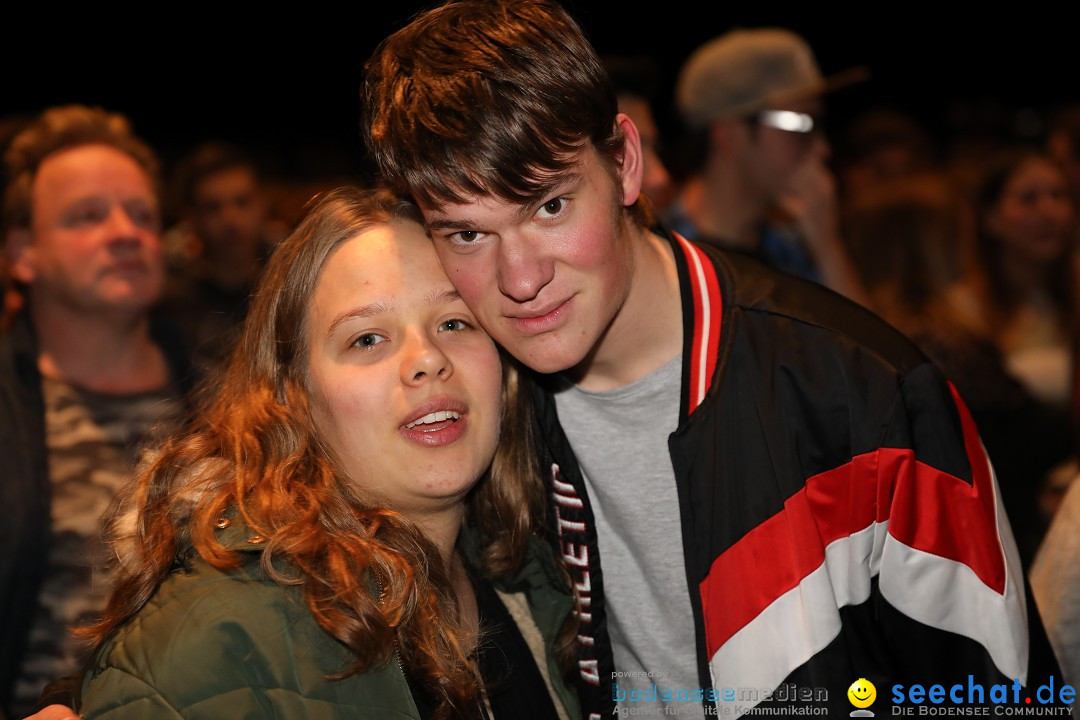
{"points": [[523, 268]]}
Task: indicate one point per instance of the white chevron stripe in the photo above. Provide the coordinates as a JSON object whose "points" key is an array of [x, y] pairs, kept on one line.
{"points": [[930, 589], [801, 622]]}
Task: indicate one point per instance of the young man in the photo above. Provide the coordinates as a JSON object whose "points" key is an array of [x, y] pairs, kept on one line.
{"points": [[217, 250], [763, 493], [753, 100]]}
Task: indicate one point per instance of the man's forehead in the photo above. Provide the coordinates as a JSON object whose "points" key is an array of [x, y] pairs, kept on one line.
{"points": [[814, 105], [89, 165], [468, 206]]}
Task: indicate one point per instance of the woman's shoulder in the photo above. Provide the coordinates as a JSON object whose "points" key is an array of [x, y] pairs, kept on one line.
{"points": [[198, 598], [213, 639]]}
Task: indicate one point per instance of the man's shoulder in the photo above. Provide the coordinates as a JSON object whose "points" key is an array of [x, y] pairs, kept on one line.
{"points": [[762, 303]]}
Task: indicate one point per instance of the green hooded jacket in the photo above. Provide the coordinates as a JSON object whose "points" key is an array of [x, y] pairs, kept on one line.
{"points": [[236, 644]]}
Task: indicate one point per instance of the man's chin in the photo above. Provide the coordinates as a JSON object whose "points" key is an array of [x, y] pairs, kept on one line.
{"points": [[545, 360]]}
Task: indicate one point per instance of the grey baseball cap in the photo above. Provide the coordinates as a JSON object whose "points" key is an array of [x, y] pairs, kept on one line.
{"points": [[747, 70]]}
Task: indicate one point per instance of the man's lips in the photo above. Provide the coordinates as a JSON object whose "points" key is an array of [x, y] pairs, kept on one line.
{"points": [[542, 321], [128, 266]]}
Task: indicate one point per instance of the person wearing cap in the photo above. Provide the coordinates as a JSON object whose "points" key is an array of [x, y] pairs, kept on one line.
{"points": [[751, 99]]}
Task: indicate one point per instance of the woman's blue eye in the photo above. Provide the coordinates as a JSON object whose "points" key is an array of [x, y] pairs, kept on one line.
{"points": [[368, 340], [454, 325]]}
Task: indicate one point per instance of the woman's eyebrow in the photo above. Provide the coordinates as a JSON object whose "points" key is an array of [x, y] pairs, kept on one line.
{"points": [[383, 307], [380, 307], [443, 298]]}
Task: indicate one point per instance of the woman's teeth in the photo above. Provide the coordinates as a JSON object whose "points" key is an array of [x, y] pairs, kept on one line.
{"points": [[435, 417]]}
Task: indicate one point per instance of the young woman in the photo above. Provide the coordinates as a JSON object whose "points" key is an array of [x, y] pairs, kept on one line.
{"points": [[1022, 291], [299, 552], [1022, 294]]}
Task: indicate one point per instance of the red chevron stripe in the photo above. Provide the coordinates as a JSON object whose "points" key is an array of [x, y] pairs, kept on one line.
{"points": [[951, 518], [927, 509], [708, 307]]}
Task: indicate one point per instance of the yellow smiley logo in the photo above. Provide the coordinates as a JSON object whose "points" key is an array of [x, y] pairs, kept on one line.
{"points": [[862, 693]]}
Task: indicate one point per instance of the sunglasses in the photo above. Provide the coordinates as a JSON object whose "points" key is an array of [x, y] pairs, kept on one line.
{"points": [[788, 121]]}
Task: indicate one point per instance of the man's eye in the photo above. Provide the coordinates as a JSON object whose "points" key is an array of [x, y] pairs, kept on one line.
{"points": [[87, 215], [142, 215], [90, 216], [465, 236], [368, 340], [553, 207]]}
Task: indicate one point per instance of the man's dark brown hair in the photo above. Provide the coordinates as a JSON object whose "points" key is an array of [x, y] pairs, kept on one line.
{"points": [[487, 98]]}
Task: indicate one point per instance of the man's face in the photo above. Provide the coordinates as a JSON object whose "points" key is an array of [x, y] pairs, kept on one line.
{"points": [[545, 279], [94, 232], [229, 209], [773, 156]]}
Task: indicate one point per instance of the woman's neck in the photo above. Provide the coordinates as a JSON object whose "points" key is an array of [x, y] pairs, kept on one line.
{"points": [[1024, 276], [468, 612], [441, 528]]}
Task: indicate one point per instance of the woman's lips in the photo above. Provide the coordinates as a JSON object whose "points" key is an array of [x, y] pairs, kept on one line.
{"points": [[435, 423], [436, 434]]}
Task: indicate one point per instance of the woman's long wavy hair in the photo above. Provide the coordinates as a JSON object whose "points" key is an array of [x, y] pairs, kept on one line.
{"points": [[370, 579], [997, 295]]}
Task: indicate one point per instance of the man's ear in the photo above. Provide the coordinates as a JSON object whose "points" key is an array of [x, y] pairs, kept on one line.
{"points": [[19, 247], [632, 167]]}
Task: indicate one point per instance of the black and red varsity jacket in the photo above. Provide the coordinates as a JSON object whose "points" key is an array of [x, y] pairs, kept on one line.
{"points": [[840, 519]]}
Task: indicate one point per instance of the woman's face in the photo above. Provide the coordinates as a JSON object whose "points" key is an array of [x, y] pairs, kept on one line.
{"points": [[1033, 218], [405, 386]]}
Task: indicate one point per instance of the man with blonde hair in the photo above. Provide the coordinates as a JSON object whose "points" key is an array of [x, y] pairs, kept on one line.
{"points": [[84, 376]]}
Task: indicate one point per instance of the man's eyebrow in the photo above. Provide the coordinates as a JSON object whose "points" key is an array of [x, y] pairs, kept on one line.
{"points": [[448, 224], [566, 182]]}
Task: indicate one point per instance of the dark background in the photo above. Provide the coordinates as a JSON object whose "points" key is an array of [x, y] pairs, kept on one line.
{"points": [[286, 83]]}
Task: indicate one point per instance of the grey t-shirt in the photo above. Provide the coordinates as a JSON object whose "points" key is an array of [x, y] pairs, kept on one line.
{"points": [[620, 440]]}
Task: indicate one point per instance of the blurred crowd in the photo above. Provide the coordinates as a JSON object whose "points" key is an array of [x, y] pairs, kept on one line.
{"points": [[125, 281]]}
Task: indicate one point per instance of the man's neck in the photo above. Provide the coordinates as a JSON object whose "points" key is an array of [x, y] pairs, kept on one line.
{"points": [[722, 206], [647, 330], [106, 353]]}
